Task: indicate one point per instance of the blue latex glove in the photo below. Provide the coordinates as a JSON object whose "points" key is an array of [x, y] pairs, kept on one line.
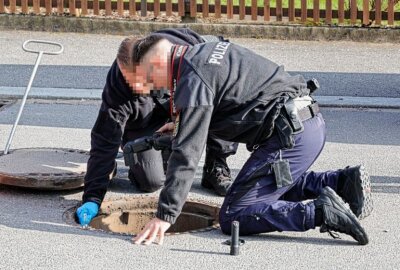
{"points": [[86, 212]]}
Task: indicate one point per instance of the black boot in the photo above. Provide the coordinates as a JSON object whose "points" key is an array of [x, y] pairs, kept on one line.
{"points": [[355, 188], [216, 175], [336, 216]]}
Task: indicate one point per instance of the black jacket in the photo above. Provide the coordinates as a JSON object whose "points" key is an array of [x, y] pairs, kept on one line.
{"points": [[121, 112], [232, 94]]}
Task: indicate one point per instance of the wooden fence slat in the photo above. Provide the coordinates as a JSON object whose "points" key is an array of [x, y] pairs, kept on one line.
{"points": [[217, 9], [13, 6], [316, 11], [132, 7], [96, 7], [72, 7], [390, 12], [47, 4], [291, 11], [341, 11], [242, 9], [229, 9], [279, 10], [254, 10], [353, 11], [169, 7], [267, 10], [193, 8], [24, 6], [181, 7], [60, 7], [156, 8], [328, 10], [365, 12], [303, 11], [378, 12], [36, 7], [108, 7], [120, 7], [2, 7], [84, 7]]}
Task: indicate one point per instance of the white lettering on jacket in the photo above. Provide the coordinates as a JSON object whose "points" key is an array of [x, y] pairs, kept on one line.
{"points": [[218, 53]]}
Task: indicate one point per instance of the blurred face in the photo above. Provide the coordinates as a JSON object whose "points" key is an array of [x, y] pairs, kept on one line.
{"points": [[151, 74], [135, 77], [156, 67]]}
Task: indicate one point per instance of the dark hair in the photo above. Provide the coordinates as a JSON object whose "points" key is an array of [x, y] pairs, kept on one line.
{"points": [[132, 50], [142, 46], [124, 55]]}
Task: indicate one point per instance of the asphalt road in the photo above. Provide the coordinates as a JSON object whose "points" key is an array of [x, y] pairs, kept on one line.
{"points": [[342, 68], [34, 235]]}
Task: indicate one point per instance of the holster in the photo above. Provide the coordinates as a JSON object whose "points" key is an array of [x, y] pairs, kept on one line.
{"points": [[293, 117]]}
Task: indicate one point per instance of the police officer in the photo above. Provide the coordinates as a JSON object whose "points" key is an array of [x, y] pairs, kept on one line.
{"points": [[124, 116], [228, 92]]}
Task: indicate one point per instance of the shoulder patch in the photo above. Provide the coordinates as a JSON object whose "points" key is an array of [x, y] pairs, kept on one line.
{"points": [[218, 53]]}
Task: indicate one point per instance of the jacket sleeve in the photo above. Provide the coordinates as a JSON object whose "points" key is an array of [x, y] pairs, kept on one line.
{"points": [[106, 136], [191, 130], [187, 148]]}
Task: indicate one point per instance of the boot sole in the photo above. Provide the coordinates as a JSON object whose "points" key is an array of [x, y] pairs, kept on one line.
{"points": [[363, 190], [362, 237]]}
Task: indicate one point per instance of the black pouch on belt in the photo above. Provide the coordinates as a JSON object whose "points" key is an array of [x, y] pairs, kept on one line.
{"points": [[284, 132]]}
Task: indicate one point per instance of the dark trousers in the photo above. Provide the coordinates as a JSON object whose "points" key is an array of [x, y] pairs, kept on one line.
{"points": [[261, 206], [148, 171]]}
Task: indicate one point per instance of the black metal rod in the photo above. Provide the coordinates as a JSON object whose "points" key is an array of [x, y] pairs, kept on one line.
{"points": [[235, 238]]}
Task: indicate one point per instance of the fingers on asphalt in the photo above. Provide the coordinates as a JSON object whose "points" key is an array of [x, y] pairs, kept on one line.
{"points": [[141, 236], [153, 235]]}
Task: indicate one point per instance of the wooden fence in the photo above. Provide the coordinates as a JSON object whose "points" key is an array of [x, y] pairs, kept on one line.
{"points": [[351, 14]]}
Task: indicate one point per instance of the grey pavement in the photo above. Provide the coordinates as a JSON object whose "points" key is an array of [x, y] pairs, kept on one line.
{"points": [[33, 234]]}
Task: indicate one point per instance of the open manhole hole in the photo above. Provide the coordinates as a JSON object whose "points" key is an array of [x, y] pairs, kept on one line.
{"points": [[129, 216], [43, 168], [4, 103]]}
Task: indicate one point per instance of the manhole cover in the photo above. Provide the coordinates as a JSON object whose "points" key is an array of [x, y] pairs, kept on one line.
{"points": [[129, 216], [5, 103], [43, 168]]}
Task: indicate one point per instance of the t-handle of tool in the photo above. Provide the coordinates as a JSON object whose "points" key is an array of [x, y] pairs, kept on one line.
{"points": [[28, 88], [25, 46]]}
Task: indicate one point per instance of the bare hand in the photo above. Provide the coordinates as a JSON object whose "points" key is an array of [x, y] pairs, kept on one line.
{"points": [[168, 127], [156, 227]]}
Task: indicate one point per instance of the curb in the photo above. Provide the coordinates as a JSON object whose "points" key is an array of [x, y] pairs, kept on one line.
{"points": [[95, 94], [130, 27]]}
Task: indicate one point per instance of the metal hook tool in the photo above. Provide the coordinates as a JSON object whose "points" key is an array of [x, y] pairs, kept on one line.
{"points": [[28, 88]]}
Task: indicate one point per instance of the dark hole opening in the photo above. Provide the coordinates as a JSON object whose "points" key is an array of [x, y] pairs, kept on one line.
{"points": [[133, 216]]}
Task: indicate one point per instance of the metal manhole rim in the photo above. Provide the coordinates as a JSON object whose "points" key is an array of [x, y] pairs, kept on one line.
{"points": [[69, 216]]}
